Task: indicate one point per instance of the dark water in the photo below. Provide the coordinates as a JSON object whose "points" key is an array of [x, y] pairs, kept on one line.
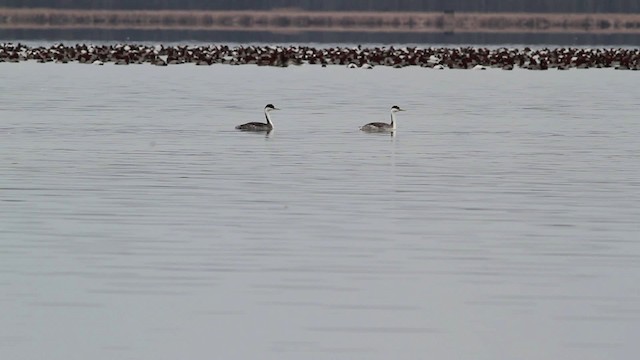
{"points": [[501, 221], [164, 36]]}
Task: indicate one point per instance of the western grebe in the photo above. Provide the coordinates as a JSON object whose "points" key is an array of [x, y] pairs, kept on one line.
{"points": [[258, 126], [383, 127]]}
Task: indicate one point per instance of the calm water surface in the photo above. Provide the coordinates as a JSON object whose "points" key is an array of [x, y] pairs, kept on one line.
{"points": [[501, 222]]}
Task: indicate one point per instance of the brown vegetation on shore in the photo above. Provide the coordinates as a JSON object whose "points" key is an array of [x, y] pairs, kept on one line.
{"points": [[295, 20]]}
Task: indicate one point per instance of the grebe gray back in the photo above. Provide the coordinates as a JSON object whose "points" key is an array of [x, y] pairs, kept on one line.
{"points": [[383, 127], [258, 126]]}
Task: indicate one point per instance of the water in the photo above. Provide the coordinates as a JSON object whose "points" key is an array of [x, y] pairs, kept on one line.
{"points": [[587, 38], [501, 222]]}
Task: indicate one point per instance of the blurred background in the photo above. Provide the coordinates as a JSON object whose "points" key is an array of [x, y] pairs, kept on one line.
{"points": [[553, 22]]}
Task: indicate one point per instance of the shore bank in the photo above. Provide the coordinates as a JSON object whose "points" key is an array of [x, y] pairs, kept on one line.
{"points": [[297, 21]]}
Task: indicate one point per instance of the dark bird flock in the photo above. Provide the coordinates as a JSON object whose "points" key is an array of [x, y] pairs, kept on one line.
{"points": [[353, 57]]}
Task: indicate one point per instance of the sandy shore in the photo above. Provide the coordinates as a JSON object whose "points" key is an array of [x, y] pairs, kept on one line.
{"points": [[298, 21]]}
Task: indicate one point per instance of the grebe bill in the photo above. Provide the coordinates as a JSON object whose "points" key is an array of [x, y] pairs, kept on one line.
{"points": [[383, 127], [258, 126]]}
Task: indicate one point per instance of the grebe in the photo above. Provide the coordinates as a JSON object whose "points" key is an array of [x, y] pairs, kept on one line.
{"points": [[258, 126], [383, 127]]}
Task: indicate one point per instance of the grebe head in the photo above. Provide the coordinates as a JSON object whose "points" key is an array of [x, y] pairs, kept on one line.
{"points": [[396, 108], [270, 107]]}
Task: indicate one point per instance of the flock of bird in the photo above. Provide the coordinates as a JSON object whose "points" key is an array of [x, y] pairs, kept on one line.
{"points": [[353, 57], [370, 127]]}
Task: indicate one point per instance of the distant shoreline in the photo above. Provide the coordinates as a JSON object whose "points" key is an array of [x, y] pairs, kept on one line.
{"points": [[299, 21]]}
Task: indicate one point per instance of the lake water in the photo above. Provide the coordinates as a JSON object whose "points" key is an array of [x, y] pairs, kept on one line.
{"points": [[500, 222]]}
